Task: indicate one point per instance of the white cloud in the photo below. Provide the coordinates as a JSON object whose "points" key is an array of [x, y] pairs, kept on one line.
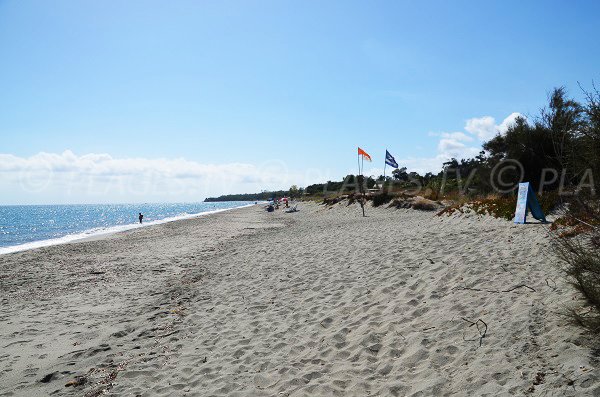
{"points": [[453, 148], [482, 127], [486, 128], [423, 165], [460, 145], [106, 165], [507, 122], [458, 135], [67, 177]]}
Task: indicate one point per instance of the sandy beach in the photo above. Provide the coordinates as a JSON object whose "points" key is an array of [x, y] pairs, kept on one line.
{"points": [[321, 302]]}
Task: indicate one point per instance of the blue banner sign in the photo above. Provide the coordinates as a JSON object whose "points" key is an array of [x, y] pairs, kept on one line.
{"points": [[527, 201]]}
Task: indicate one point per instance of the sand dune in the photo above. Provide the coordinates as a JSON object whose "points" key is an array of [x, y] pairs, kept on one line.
{"points": [[321, 302]]}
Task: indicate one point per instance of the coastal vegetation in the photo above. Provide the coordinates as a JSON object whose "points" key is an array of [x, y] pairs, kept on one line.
{"points": [[262, 196], [294, 192], [577, 246], [557, 151]]}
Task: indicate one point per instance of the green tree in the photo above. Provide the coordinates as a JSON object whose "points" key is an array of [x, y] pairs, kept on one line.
{"points": [[400, 174]]}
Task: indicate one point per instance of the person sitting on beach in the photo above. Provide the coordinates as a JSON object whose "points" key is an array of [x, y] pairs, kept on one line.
{"points": [[141, 217]]}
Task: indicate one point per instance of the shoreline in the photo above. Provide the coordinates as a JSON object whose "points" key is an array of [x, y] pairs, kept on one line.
{"points": [[320, 302], [100, 232]]}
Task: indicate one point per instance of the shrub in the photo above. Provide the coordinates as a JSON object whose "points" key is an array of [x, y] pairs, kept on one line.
{"points": [[581, 217], [400, 203], [382, 198], [496, 206], [424, 204], [581, 264], [580, 259], [351, 199], [331, 200], [451, 209], [499, 206]]}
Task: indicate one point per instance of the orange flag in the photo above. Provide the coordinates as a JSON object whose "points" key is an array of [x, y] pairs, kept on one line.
{"points": [[364, 154]]}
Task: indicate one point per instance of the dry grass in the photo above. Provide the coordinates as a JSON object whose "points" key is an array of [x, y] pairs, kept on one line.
{"points": [[416, 203], [577, 244], [399, 203], [395, 200], [581, 264], [582, 217], [498, 206], [424, 204]]}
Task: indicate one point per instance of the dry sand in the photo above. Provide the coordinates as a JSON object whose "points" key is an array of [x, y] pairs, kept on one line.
{"points": [[321, 302]]}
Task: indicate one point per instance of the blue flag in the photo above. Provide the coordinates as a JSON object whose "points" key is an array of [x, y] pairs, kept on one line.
{"points": [[390, 160]]}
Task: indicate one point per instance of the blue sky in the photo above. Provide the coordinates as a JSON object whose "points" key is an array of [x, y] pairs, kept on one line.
{"points": [[263, 94]]}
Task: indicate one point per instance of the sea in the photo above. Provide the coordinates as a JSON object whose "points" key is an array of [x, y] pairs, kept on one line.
{"points": [[24, 227]]}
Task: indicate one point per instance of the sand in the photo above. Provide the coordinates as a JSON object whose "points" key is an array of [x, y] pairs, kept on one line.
{"points": [[321, 302]]}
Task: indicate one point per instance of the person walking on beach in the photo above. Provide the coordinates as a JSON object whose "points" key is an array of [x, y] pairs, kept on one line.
{"points": [[141, 217]]}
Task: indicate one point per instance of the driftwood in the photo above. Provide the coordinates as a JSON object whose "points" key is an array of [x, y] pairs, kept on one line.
{"points": [[495, 290], [482, 329], [551, 281]]}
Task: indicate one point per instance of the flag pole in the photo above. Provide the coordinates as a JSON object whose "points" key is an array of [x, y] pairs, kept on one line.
{"points": [[384, 165], [383, 182], [362, 185]]}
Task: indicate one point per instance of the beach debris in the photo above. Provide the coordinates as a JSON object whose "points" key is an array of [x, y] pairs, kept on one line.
{"points": [[168, 334], [539, 378], [106, 381], [179, 310], [519, 286], [550, 281], [78, 381], [481, 329]]}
